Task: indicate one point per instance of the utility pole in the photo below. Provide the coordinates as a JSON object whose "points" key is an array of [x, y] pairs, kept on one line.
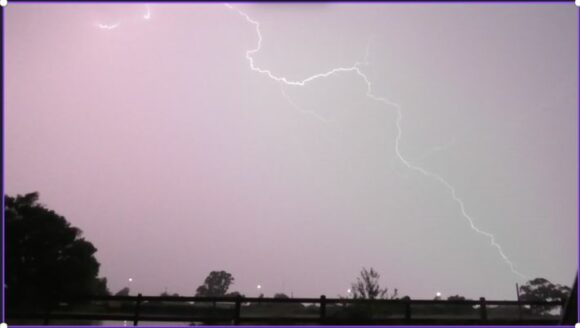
{"points": [[519, 304]]}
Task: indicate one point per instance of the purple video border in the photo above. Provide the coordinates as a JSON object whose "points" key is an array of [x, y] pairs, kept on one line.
{"points": [[435, 2], [3, 315]]}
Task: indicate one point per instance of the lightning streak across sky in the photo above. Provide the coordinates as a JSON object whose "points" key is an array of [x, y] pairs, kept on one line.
{"points": [[148, 13], [356, 69], [146, 16], [435, 150], [107, 26]]}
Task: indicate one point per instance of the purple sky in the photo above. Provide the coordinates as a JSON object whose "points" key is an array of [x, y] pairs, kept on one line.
{"points": [[175, 158]]}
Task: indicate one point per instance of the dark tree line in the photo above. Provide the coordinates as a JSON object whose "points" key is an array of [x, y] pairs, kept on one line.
{"points": [[540, 289], [48, 259], [217, 284]]}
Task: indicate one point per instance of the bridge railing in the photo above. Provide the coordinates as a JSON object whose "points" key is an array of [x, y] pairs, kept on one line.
{"points": [[322, 310]]}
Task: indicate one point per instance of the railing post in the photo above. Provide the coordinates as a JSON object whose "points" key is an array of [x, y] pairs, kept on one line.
{"points": [[47, 314], [322, 309], [238, 310], [408, 310], [519, 302], [137, 309], [482, 309]]}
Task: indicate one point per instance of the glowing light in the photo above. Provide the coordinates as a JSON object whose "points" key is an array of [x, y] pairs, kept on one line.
{"points": [[348, 291], [438, 294], [130, 279], [108, 26], [148, 13], [146, 16], [356, 69], [259, 286]]}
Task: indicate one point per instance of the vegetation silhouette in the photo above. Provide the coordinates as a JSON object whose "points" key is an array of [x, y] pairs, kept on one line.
{"points": [[123, 292], [48, 261], [541, 289], [460, 309], [216, 284], [367, 286], [46, 258], [166, 294]]}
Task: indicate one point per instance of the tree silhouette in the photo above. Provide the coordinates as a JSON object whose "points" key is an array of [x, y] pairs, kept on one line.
{"points": [[235, 294], [541, 289], [217, 283], [123, 292], [166, 294], [367, 286], [46, 258], [456, 298], [459, 308]]}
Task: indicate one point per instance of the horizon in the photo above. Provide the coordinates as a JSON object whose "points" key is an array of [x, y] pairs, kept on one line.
{"points": [[152, 130]]}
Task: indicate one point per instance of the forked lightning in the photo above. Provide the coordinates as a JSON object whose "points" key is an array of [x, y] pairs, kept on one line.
{"points": [[356, 69]]}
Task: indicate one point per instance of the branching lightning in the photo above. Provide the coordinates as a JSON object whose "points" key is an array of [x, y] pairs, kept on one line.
{"points": [[146, 16], [108, 26], [298, 108], [356, 69]]}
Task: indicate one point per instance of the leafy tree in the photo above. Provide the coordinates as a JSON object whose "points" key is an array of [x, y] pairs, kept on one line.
{"points": [[123, 292], [456, 298], [285, 309], [101, 287], [367, 286], [217, 283], [235, 294], [46, 258], [459, 308], [541, 289]]}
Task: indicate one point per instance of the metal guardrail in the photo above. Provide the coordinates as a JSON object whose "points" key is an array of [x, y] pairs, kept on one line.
{"points": [[234, 317]]}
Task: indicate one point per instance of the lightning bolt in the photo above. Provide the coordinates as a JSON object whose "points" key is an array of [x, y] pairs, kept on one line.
{"points": [[147, 15], [434, 150], [356, 69], [108, 26], [298, 108]]}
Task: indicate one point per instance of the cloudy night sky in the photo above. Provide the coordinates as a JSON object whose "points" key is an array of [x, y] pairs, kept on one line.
{"points": [[147, 128]]}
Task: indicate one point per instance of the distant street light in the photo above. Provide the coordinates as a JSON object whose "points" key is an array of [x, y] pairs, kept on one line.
{"points": [[438, 294]]}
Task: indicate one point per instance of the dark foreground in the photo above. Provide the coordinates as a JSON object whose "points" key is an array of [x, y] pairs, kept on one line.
{"points": [[289, 311]]}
